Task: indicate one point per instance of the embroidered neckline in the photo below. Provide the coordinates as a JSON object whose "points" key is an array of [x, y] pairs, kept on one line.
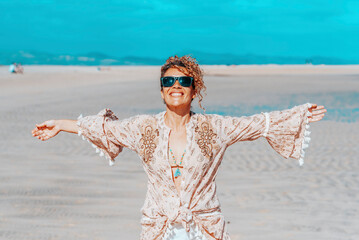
{"points": [[189, 132], [189, 125]]}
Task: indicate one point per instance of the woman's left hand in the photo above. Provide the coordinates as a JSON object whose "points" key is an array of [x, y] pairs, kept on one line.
{"points": [[317, 113]]}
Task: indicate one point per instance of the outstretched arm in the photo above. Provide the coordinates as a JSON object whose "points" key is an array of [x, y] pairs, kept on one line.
{"points": [[107, 134], [286, 131], [105, 131], [51, 128]]}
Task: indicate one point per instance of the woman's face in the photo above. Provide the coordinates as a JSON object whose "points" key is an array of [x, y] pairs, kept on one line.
{"points": [[177, 96]]}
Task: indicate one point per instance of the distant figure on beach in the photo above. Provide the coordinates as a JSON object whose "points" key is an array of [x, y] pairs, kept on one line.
{"points": [[16, 68], [103, 69], [19, 68], [181, 150], [12, 68]]}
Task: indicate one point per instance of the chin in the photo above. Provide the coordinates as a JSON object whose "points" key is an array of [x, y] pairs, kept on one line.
{"points": [[178, 104]]}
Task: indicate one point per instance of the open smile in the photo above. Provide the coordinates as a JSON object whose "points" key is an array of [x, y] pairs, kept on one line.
{"points": [[176, 94]]}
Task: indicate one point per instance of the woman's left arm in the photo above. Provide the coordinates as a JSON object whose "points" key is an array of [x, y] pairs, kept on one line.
{"points": [[286, 131]]}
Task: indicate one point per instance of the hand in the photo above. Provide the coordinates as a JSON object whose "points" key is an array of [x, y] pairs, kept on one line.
{"points": [[46, 130], [317, 113]]}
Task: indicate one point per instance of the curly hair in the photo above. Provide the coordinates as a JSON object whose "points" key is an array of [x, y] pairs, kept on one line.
{"points": [[193, 70]]}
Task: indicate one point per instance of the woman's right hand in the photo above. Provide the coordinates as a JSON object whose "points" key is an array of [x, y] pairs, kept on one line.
{"points": [[46, 130]]}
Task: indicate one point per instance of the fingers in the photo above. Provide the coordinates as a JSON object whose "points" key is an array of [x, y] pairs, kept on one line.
{"points": [[36, 132], [44, 137], [320, 107], [41, 135], [317, 118], [317, 113], [315, 107], [43, 130], [315, 110]]}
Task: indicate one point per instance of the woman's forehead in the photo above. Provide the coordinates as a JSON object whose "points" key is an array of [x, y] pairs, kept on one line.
{"points": [[175, 72]]}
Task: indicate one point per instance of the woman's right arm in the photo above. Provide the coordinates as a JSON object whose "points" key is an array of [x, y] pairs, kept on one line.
{"points": [[51, 128], [105, 131]]}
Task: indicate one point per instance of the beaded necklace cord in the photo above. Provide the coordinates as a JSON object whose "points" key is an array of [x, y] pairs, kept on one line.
{"points": [[178, 172]]}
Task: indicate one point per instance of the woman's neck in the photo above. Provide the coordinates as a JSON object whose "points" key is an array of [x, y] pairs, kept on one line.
{"points": [[176, 119]]}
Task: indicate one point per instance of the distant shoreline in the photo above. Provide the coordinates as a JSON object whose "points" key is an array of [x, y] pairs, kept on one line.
{"points": [[210, 70], [203, 58]]}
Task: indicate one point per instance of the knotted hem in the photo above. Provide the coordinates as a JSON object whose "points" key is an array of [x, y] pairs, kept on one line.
{"points": [[193, 232]]}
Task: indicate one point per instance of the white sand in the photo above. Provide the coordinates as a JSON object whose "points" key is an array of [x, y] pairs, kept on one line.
{"points": [[60, 189]]}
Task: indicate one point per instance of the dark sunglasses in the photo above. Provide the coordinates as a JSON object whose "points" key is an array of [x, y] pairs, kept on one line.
{"points": [[170, 81]]}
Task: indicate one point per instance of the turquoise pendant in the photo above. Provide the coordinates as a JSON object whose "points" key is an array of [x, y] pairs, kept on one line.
{"points": [[177, 173]]}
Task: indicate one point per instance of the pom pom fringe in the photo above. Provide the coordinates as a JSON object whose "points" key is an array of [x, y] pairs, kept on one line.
{"points": [[267, 124], [98, 150], [306, 138]]}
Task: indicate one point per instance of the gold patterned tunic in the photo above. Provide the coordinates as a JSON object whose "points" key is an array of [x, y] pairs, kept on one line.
{"points": [[208, 136]]}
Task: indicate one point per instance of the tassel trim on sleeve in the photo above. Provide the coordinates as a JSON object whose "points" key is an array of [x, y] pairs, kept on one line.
{"points": [[267, 124], [306, 138], [98, 150]]}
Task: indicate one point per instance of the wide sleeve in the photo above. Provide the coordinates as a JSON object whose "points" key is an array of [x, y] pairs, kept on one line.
{"points": [[107, 134], [287, 131], [246, 128]]}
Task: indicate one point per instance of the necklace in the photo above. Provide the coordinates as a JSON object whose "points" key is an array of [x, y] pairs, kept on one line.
{"points": [[178, 172]]}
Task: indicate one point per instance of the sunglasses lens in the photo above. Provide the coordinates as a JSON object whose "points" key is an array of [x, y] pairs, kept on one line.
{"points": [[168, 81], [185, 81]]}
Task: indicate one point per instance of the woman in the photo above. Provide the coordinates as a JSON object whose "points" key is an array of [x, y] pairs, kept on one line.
{"points": [[182, 150]]}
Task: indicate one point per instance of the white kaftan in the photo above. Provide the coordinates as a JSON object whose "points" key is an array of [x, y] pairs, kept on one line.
{"points": [[197, 207]]}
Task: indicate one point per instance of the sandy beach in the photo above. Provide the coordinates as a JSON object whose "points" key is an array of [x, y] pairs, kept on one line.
{"points": [[61, 189]]}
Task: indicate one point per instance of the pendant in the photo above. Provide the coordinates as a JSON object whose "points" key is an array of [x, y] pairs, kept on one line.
{"points": [[177, 173]]}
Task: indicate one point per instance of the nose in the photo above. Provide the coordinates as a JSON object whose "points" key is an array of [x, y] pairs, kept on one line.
{"points": [[177, 84]]}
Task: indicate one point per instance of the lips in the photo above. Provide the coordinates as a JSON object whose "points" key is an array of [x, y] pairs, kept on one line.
{"points": [[176, 94]]}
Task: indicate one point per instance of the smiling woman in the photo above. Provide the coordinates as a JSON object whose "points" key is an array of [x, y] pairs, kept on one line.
{"points": [[186, 66], [182, 150]]}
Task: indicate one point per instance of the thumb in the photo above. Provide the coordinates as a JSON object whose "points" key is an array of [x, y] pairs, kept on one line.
{"points": [[41, 125], [49, 123]]}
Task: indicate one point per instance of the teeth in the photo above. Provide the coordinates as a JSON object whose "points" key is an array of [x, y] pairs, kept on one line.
{"points": [[176, 94]]}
